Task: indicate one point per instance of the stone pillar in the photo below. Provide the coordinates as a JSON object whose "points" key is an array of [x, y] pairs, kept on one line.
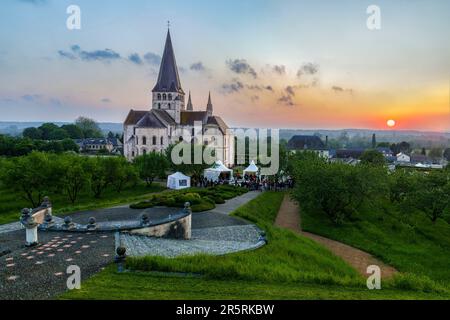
{"points": [[188, 221], [31, 226]]}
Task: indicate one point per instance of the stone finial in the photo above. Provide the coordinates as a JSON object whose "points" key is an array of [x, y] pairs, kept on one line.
{"points": [[187, 207], [68, 224], [92, 224], [120, 257], [25, 212], [46, 202], [144, 219]]}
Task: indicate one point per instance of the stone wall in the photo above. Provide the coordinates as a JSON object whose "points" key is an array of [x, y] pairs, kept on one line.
{"points": [[179, 229]]}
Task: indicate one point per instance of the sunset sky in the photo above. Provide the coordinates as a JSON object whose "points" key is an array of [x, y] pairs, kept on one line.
{"points": [[276, 64]]}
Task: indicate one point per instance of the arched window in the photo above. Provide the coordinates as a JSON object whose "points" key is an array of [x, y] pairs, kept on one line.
{"points": [[137, 140], [169, 105], [162, 140], [164, 96], [206, 142], [193, 131], [180, 139], [213, 140], [159, 96], [144, 152], [154, 140], [170, 96], [159, 105], [132, 154], [144, 140]]}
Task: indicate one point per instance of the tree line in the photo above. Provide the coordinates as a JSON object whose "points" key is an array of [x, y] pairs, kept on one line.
{"points": [[339, 190]]}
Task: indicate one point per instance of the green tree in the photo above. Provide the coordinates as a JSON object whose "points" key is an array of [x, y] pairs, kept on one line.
{"points": [[447, 154], [372, 157], [73, 131], [32, 176], [74, 176], [97, 172], [150, 166], [435, 153], [32, 133], [70, 145], [89, 127]]}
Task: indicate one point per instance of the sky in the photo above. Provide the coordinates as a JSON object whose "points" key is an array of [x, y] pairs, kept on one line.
{"points": [[268, 63]]}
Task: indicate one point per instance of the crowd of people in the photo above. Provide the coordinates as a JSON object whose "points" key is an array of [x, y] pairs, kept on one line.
{"points": [[251, 182]]}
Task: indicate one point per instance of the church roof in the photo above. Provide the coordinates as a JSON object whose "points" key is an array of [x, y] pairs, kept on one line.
{"points": [[215, 120], [164, 116], [188, 118], [150, 120], [168, 78], [134, 116]]}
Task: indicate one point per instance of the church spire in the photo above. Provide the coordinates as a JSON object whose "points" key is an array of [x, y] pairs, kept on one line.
{"points": [[189, 104], [209, 107], [168, 78]]}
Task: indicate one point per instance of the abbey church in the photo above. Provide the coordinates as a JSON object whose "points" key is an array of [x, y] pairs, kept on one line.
{"points": [[157, 128]]}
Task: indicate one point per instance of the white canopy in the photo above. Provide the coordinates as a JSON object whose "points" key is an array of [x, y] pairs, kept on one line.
{"points": [[213, 173], [252, 168], [178, 181]]}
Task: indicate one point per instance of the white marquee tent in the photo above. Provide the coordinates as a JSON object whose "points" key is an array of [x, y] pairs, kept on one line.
{"points": [[213, 173], [252, 168], [178, 181]]}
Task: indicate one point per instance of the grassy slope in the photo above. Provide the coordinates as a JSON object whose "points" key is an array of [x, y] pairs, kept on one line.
{"points": [[11, 204], [412, 244], [289, 267]]}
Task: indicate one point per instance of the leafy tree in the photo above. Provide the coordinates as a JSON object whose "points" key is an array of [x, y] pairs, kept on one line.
{"points": [[383, 145], [32, 176], [447, 154], [401, 184], [435, 153], [335, 188], [48, 129], [433, 194], [89, 127], [53, 146], [372, 157], [74, 176], [98, 175], [120, 172], [70, 145], [150, 166], [32, 133], [73, 131]]}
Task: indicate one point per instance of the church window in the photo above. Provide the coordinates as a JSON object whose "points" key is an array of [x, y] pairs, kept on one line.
{"points": [[144, 152], [132, 154], [193, 131], [162, 140], [180, 139], [169, 105], [154, 140], [206, 142], [159, 105], [159, 96], [164, 96], [137, 140], [144, 140]]}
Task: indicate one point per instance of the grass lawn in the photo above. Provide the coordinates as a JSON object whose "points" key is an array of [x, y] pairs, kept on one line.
{"points": [[289, 267], [11, 203], [411, 243]]}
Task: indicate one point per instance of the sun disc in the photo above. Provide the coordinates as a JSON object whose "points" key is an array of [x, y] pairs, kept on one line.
{"points": [[391, 123]]}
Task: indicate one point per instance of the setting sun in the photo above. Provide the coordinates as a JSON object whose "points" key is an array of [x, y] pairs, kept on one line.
{"points": [[391, 123]]}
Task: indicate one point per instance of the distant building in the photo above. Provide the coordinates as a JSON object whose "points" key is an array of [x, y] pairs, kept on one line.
{"points": [[94, 145], [309, 143], [403, 158], [155, 129]]}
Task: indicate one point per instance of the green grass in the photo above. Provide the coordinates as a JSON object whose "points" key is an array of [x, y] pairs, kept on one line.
{"points": [[11, 203], [110, 285], [289, 267], [409, 242]]}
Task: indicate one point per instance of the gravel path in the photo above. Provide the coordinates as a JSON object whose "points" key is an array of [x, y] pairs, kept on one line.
{"points": [[289, 217]]}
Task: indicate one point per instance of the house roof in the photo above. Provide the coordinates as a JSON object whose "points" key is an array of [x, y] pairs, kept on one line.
{"points": [[349, 153], [134, 116], [301, 142], [168, 78], [164, 116]]}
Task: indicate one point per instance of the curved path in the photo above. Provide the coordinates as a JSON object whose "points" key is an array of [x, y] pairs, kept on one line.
{"points": [[289, 217]]}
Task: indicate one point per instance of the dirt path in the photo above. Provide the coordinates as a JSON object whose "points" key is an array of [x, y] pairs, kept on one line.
{"points": [[289, 217]]}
